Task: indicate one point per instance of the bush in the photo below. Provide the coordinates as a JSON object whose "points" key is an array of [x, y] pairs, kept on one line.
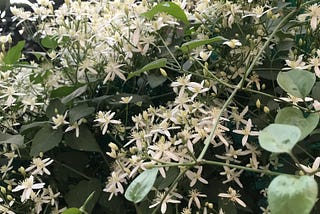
{"points": [[169, 106]]}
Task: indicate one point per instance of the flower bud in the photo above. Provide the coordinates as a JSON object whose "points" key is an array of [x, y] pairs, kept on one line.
{"points": [[9, 197], [163, 72], [3, 190], [22, 170], [266, 109], [258, 103]]}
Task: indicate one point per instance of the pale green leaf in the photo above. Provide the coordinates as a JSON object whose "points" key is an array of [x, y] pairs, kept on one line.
{"points": [[188, 46], [152, 65], [72, 210], [155, 80], [141, 185], [289, 194], [295, 117], [169, 8], [279, 138], [296, 82], [12, 139]]}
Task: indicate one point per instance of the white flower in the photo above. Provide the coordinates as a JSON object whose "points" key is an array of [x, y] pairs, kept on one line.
{"points": [[104, 118], [40, 166], [27, 186], [233, 43], [315, 167], [75, 126], [59, 120]]}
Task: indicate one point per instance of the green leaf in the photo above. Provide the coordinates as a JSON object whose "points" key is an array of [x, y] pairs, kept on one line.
{"points": [[316, 91], [63, 91], [14, 53], [72, 210], [49, 42], [152, 65], [288, 194], [141, 185], [296, 82], [74, 94], [33, 125], [88, 203], [78, 195], [79, 112], [171, 175], [55, 107], [169, 8], [12, 139], [45, 139], [295, 117], [156, 80], [188, 46], [279, 138], [85, 142]]}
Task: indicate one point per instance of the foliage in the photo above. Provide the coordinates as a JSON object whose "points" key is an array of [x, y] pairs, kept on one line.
{"points": [[179, 106]]}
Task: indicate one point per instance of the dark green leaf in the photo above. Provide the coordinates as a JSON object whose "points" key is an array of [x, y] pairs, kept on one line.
{"points": [[63, 91], [141, 185], [49, 42], [45, 139], [33, 125], [316, 91], [79, 112], [169, 8], [171, 175], [14, 53], [152, 65], [188, 46], [296, 82], [74, 94], [79, 194], [55, 107], [85, 142], [295, 117]]}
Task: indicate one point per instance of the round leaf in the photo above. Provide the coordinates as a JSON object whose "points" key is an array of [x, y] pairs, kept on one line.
{"points": [[294, 116], [141, 185], [291, 194], [296, 82], [279, 138]]}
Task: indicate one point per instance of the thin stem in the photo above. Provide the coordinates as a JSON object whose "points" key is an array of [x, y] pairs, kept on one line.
{"points": [[170, 189], [297, 162], [73, 170], [215, 124]]}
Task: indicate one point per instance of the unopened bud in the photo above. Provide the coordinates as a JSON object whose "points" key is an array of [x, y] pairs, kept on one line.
{"points": [[210, 205], [300, 42], [9, 197], [266, 109], [9, 187], [263, 86], [258, 103], [209, 47], [163, 72], [3, 190], [22, 170]]}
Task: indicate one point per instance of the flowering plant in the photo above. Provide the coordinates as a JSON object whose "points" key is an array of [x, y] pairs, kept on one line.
{"points": [[180, 106]]}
